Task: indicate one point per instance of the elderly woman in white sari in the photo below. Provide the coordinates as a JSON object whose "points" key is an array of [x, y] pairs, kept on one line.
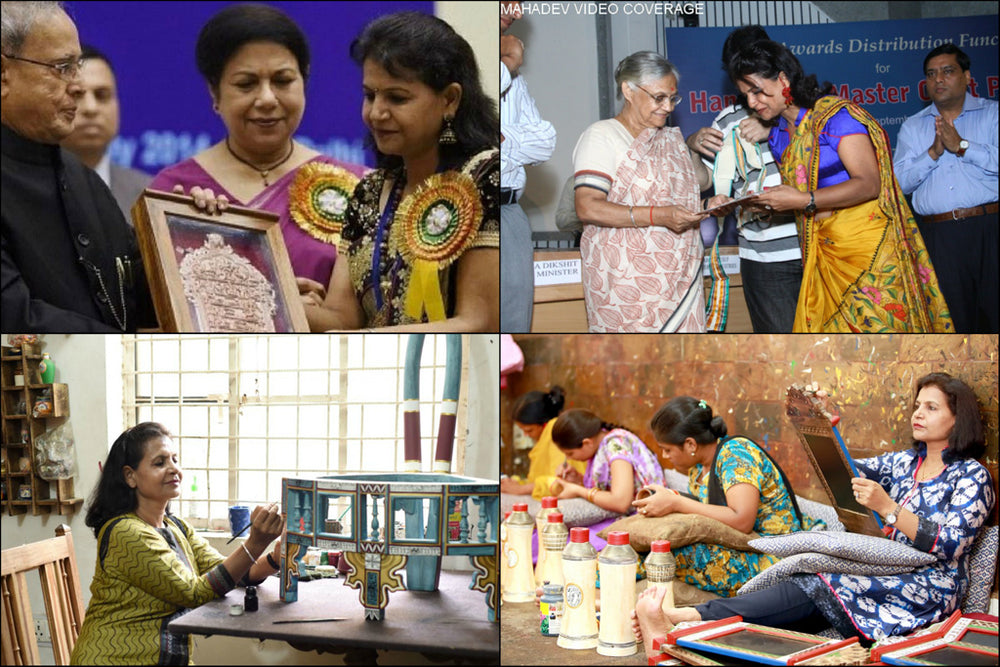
{"points": [[637, 193]]}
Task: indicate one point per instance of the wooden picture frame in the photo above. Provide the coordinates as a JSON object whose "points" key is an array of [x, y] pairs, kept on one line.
{"points": [[959, 640], [830, 459], [732, 638], [228, 272]]}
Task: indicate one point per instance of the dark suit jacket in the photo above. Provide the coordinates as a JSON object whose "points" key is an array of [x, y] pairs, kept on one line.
{"points": [[70, 262]]}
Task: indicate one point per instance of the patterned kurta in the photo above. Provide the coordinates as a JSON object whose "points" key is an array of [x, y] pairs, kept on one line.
{"points": [[141, 583], [622, 444], [951, 508], [722, 570], [360, 234]]}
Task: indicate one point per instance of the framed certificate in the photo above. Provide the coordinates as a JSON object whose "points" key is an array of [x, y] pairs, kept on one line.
{"points": [[227, 273], [830, 459]]}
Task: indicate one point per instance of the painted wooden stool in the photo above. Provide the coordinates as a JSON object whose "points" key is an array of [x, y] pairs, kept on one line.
{"points": [[383, 522]]}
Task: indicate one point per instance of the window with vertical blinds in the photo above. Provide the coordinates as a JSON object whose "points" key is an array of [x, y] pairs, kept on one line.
{"points": [[247, 410]]}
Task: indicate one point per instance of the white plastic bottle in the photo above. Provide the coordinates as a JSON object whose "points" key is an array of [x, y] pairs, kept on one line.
{"points": [[518, 577], [617, 563], [579, 622]]}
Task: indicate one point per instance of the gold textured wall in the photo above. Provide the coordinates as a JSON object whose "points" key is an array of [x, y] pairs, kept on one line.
{"points": [[625, 378]]}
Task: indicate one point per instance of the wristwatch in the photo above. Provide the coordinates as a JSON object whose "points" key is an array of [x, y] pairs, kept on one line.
{"points": [[962, 146], [892, 516], [811, 206]]}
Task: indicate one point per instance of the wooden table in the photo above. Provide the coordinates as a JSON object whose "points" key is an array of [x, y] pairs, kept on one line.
{"points": [[448, 624], [523, 644]]}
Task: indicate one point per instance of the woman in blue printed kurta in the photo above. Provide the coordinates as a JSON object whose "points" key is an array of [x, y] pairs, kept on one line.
{"points": [[933, 497], [751, 494]]}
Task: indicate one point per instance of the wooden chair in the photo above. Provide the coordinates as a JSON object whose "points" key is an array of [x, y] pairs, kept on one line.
{"points": [[55, 561]]}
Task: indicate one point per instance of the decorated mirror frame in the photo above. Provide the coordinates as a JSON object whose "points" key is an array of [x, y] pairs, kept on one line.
{"points": [[183, 248]]}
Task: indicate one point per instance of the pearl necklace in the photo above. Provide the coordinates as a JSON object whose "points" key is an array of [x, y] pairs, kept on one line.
{"points": [[265, 171]]}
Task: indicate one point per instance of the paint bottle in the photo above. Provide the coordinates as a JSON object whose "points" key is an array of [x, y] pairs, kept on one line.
{"points": [[250, 598], [550, 609], [617, 564], [551, 543], [549, 505], [579, 622], [661, 569], [519, 579]]}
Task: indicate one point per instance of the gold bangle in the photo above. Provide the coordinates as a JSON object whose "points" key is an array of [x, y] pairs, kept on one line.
{"points": [[591, 494], [250, 555]]}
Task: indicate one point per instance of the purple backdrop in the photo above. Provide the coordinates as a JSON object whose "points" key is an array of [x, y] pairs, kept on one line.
{"points": [[165, 106]]}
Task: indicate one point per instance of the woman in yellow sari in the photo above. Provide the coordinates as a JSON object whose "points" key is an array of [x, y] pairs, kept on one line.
{"points": [[535, 413], [865, 267]]}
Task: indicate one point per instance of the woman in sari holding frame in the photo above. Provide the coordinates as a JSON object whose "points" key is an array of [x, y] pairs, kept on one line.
{"points": [[637, 193], [865, 266]]}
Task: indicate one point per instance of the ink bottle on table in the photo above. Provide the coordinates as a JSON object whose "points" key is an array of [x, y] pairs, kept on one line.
{"points": [[250, 599]]}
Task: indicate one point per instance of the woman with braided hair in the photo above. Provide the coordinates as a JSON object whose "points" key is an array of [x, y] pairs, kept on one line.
{"points": [[732, 480]]}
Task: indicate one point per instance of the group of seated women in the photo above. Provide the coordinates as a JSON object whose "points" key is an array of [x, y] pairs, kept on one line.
{"points": [[933, 496]]}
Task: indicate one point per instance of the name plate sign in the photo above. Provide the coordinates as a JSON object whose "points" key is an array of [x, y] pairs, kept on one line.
{"points": [[558, 272]]}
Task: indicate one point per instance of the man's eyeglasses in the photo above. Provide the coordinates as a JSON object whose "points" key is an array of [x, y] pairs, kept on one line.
{"points": [[946, 72], [661, 98], [67, 69]]}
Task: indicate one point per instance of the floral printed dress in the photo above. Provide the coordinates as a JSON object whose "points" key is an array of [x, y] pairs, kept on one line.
{"points": [[722, 570], [622, 444], [951, 508]]}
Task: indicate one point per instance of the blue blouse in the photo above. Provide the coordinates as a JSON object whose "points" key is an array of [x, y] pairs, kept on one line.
{"points": [[951, 508], [840, 125]]}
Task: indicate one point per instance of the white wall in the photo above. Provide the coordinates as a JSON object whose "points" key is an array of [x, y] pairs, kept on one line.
{"points": [[87, 364], [479, 24]]}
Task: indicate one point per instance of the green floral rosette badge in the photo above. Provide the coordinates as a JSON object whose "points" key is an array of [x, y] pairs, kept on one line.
{"points": [[433, 227], [318, 199]]}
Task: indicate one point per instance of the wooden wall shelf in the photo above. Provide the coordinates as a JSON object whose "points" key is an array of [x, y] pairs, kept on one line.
{"points": [[21, 430]]}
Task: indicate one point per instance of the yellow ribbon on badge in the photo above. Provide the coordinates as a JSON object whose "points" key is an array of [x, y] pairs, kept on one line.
{"points": [[434, 226], [424, 292]]}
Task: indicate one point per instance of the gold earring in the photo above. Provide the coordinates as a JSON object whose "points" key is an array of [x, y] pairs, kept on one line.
{"points": [[448, 137]]}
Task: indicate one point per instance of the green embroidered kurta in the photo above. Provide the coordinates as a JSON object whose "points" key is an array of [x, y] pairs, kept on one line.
{"points": [[141, 582]]}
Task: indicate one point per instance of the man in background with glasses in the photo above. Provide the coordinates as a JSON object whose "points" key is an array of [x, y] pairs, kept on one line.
{"points": [[70, 261], [946, 156], [98, 117]]}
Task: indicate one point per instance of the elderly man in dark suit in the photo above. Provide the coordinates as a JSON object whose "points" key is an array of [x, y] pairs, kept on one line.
{"points": [[70, 262]]}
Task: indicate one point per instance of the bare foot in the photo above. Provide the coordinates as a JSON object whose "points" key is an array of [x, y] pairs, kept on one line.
{"points": [[651, 621]]}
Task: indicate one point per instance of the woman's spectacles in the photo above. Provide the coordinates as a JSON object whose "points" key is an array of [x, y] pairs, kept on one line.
{"points": [[661, 98], [67, 69]]}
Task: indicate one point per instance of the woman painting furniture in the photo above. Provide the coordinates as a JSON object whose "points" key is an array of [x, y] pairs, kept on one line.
{"points": [[151, 565]]}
